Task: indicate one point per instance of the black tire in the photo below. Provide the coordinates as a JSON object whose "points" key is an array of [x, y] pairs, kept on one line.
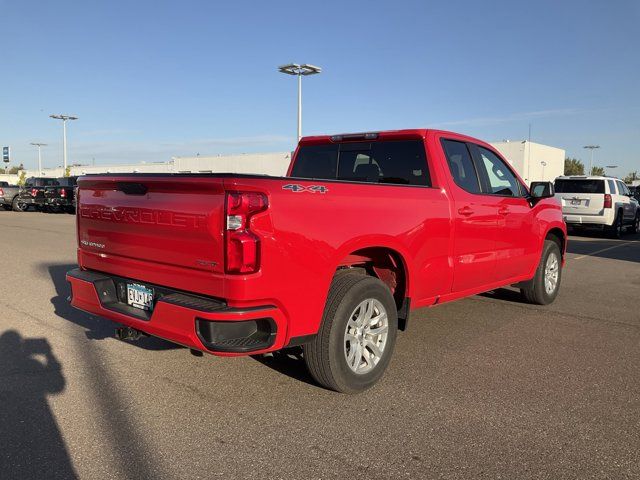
{"points": [[7, 207], [635, 227], [325, 355], [617, 229], [17, 206], [534, 290]]}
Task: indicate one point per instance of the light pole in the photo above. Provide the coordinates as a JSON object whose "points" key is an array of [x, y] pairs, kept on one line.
{"points": [[39, 145], [299, 70], [64, 119], [592, 148], [544, 164]]}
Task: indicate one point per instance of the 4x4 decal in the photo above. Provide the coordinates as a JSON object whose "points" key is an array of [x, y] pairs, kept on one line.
{"points": [[294, 187]]}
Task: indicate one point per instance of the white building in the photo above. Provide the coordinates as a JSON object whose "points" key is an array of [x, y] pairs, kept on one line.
{"points": [[275, 164], [533, 161]]}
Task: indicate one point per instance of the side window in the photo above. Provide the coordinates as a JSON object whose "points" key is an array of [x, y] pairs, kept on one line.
{"points": [[500, 179], [622, 188], [461, 166], [612, 186]]}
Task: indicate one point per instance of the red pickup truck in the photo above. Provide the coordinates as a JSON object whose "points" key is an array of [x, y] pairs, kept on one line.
{"points": [[333, 257]]}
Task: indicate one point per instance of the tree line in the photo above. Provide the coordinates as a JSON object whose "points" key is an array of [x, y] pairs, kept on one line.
{"points": [[573, 166]]}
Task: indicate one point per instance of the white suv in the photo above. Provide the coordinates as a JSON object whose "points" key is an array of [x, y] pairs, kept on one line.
{"points": [[601, 202]]}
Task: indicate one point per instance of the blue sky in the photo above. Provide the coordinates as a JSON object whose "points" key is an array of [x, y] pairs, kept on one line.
{"points": [[152, 79]]}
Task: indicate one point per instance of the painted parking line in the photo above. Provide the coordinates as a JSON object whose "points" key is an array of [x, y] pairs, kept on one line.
{"points": [[579, 257]]}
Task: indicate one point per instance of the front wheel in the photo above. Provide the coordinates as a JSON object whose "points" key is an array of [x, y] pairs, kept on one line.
{"points": [[545, 285], [357, 336]]}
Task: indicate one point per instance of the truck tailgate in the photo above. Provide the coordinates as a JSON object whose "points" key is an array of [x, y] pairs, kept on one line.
{"points": [[170, 220]]}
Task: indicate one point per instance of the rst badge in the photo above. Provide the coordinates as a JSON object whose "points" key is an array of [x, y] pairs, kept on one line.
{"points": [[294, 187]]}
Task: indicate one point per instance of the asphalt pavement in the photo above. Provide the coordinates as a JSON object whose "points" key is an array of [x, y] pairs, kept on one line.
{"points": [[486, 387]]}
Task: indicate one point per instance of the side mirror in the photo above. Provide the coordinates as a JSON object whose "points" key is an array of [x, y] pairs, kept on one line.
{"points": [[542, 190]]}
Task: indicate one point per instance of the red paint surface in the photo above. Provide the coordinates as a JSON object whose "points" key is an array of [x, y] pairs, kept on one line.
{"points": [[173, 236]]}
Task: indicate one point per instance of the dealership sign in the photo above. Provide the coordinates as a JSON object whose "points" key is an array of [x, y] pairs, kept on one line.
{"points": [[5, 154]]}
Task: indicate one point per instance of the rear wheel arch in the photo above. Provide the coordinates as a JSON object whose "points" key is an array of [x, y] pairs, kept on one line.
{"points": [[386, 264]]}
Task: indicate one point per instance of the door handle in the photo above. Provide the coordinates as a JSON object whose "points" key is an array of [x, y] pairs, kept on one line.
{"points": [[466, 211], [503, 211]]}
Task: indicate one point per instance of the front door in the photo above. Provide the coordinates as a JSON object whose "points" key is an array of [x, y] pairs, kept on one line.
{"points": [[475, 221], [516, 239]]}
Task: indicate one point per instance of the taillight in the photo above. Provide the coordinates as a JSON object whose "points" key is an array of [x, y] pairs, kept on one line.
{"points": [[34, 192], [607, 200], [1, 192], [63, 192], [242, 245]]}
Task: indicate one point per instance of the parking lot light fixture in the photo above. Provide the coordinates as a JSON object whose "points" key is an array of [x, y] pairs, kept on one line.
{"points": [[592, 148], [39, 145], [299, 70], [64, 119]]}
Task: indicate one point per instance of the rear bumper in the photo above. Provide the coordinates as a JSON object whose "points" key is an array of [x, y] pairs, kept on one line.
{"points": [[59, 202], [197, 322], [38, 201], [588, 220]]}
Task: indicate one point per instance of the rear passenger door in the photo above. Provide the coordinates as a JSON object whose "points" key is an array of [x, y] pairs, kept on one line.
{"points": [[516, 241], [475, 221]]}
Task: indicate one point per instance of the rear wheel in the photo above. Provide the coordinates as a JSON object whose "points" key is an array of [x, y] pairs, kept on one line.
{"points": [[357, 335], [635, 226], [17, 206], [616, 230], [543, 288]]}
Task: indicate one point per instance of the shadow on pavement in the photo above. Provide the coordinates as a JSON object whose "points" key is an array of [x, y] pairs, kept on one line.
{"points": [[626, 249], [505, 294], [95, 328], [288, 362], [31, 445]]}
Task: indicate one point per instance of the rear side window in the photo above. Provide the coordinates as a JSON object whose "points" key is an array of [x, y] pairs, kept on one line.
{"points": [[612, 186], [393, 162], [579, 186], [622, 188], [461, 165]]}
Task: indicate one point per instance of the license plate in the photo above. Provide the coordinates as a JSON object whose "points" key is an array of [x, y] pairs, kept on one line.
{"points": [[139, 296]]}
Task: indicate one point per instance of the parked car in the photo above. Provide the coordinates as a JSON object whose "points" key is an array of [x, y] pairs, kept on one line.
{"points": [[598, 202], [61, 197], [32, 193], [635, 192], [333, 257], [8, 195]]}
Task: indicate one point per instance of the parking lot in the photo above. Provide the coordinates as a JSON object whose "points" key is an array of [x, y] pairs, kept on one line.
{"points": [[487, 387]]}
